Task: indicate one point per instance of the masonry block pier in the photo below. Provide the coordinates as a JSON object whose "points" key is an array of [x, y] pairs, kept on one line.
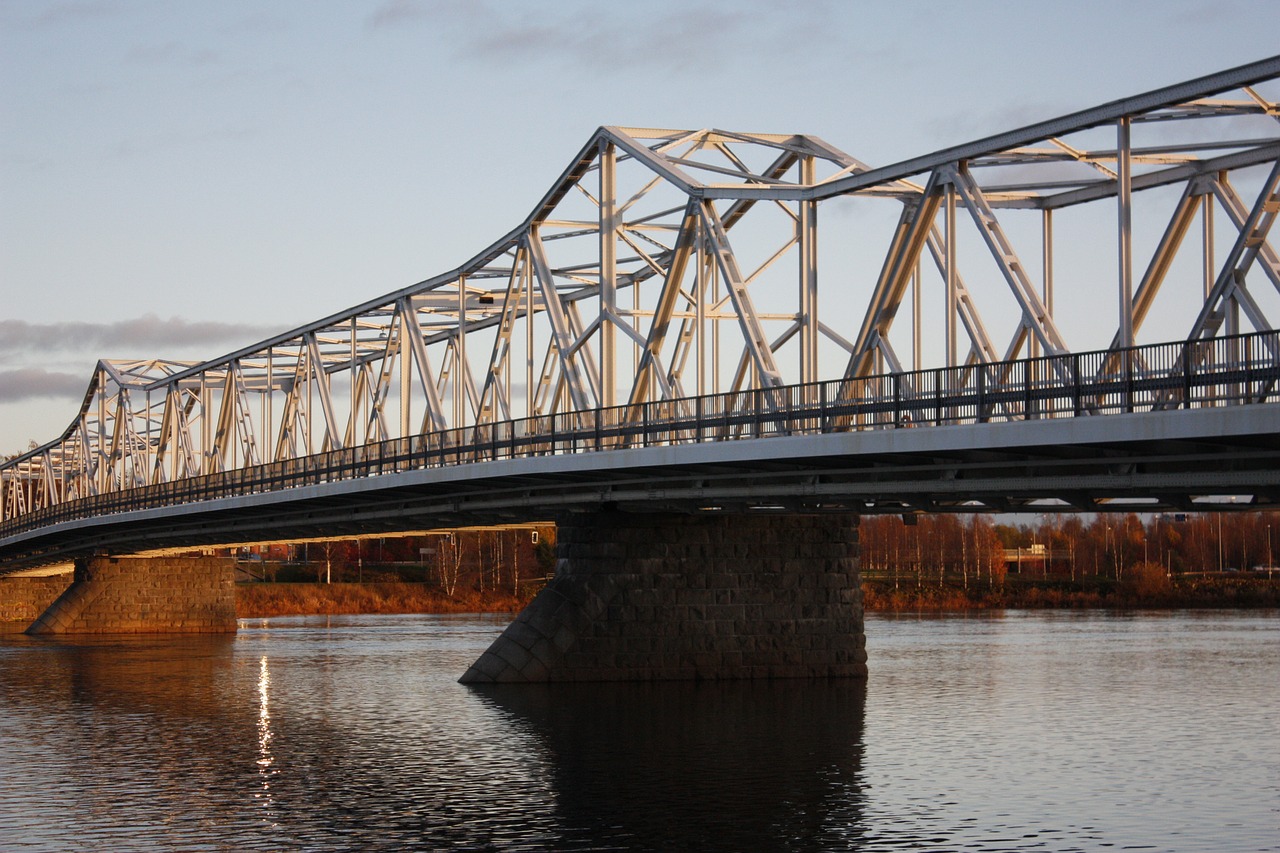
{"points": [[23, 599], [140, 595], [662, 596]]}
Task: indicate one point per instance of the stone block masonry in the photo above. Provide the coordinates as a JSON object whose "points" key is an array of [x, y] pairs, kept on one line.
{"points": [[664, 596], [23, 599], [145, 595]]}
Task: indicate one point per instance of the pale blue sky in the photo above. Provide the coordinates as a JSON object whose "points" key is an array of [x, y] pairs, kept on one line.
{"points": [[246, 167]]}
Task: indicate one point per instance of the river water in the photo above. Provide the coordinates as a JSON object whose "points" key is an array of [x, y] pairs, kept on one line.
{"points": [[1022, 731]]}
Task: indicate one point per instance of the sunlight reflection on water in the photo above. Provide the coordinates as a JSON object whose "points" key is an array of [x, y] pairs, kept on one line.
{"points": [[1054, 731]]}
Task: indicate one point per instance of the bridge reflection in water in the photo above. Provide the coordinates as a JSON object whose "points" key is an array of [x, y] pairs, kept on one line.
{"points": [[351, 733], [1071, 730], [734, 766]]}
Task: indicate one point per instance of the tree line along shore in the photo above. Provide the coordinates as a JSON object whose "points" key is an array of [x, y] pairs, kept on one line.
{"points": [[261, 600], [925, 563]]}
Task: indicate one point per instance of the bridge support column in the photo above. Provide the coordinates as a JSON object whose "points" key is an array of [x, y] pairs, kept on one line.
{"points": [[145, 595], [656, 596]]}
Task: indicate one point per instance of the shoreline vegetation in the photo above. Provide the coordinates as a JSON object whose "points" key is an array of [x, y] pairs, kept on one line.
{"points": [[916, 563], [256, 600]]}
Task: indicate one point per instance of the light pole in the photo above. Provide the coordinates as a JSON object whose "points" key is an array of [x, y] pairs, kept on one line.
{"points": [[1107, 548], [1219, 541]]}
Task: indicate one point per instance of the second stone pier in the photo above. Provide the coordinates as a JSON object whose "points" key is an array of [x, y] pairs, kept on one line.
{"points": [[138, 595], [666, 596]]}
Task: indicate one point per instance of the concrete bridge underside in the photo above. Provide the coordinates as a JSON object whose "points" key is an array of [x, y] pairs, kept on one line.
{"points": [[1224, 458]]}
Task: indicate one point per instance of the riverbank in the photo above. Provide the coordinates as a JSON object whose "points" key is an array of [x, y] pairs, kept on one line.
{"points": [[261, 600], [880, 595]]}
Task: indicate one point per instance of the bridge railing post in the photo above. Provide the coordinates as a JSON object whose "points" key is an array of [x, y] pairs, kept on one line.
{"points": [[937, 396], [980, 412], [1187, 388], [1026, 389], [897, 397], [1127, 367], [1076, 401], [823, 422]]}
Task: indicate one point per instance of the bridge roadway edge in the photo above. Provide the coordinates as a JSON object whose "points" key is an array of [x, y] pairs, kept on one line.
{"points": [[659, 596], [1165, 455]]}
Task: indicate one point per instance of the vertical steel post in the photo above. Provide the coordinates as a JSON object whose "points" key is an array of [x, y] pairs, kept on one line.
{"points": [[406, 368], [267, 401], [1046, 283], [147, 462], [1046, 273], [916, 319], [206, 425], [608, 271], [460, 353], [1210, 266], [713, 274], [807, 226], [952, 306], [353, 416], [529, 390], [702, 287], [1047, 227], [1124, 198]]}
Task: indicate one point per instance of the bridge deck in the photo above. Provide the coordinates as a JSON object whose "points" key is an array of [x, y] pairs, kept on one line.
{"points": [[1176, 428]]}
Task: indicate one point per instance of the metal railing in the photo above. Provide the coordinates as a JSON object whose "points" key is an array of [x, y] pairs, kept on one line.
{"points": [[1243, 369]]}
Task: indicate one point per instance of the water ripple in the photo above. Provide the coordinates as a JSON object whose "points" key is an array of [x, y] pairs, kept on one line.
{"points": [[1077, 731]]}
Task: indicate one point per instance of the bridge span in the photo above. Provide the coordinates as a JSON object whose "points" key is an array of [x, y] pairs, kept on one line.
{"points": [[654, 342], [1187, 426]]}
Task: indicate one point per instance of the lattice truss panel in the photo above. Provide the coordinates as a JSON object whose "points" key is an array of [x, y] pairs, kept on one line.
{"points": [[670, 263]]}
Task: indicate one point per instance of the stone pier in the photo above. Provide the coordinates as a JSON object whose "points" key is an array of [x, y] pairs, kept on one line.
{"points": [[145, 595], [660, 596], [23, 599]]}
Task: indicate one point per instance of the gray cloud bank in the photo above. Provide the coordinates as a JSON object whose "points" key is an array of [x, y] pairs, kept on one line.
{"points": [[141, 337], [698, 34], [34, 383]]}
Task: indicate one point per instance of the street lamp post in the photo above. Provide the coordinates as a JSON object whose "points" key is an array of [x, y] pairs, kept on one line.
{"points": [[1220, 565], [1107, 548]]}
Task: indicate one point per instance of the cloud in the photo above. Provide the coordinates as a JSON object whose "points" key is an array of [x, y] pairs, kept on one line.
{"points": [[697, 35], [145, 336], [33, 383], [395, 13], [55, 15], [170, 54]]}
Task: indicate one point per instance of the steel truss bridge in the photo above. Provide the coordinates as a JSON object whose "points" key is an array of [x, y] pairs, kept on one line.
{"points": [[653, 333]]}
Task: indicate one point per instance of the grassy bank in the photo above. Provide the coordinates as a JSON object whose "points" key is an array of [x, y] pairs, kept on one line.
{"points": [[260, 600], [1165, 593]]}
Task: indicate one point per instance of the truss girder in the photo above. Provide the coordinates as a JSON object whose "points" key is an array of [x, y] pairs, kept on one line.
{"points": [[1229, 287], [913, 230], [1035, 317], [1238, 212], [757, 345], [651, 262]]}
